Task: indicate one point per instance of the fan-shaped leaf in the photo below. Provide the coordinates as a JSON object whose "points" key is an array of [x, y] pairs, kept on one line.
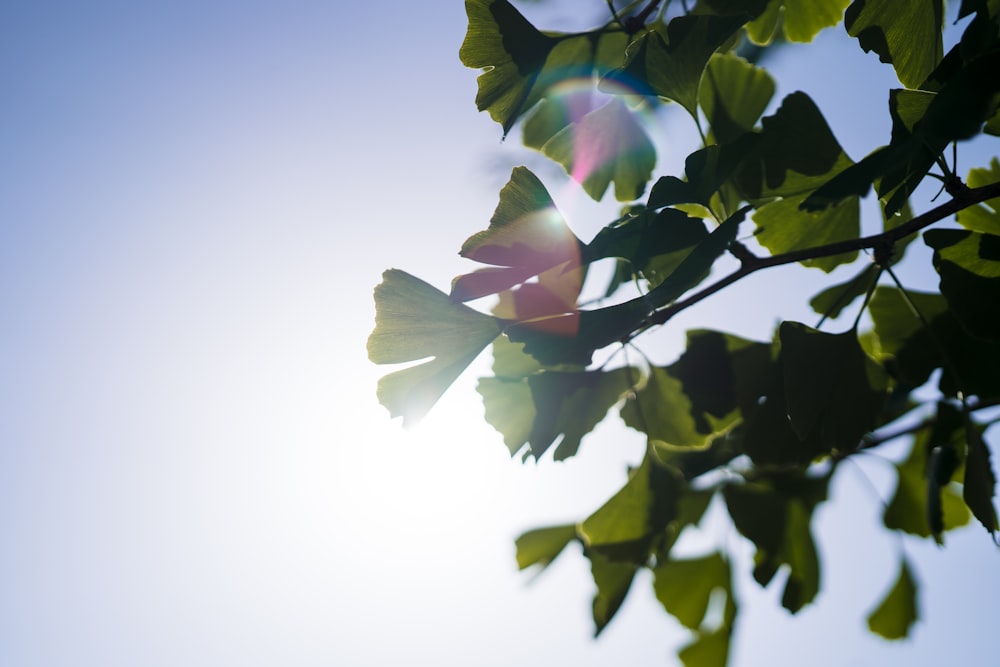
{"points": [[801, 20], [413, 321], [897, 613], [969, 266], [908, 34], [984, 217]]}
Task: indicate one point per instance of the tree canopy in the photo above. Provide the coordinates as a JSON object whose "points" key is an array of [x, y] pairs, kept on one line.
{"points": [[763, 425]]}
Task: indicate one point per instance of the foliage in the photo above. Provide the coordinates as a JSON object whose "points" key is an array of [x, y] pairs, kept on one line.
{"points": [[777, 416]]}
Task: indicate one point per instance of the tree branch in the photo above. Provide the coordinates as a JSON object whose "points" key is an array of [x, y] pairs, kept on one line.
{"points": [[749, 265]]}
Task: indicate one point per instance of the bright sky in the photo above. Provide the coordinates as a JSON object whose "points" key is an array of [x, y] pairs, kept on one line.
{"points": [[196, 200]]}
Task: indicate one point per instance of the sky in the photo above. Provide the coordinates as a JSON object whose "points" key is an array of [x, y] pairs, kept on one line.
{"points": [[196, 200]]}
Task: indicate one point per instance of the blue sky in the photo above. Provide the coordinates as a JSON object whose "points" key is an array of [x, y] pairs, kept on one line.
{"points": [[196, 200]]}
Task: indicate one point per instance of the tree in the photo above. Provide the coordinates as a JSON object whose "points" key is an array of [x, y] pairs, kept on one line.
{"points": [[765, 425]]}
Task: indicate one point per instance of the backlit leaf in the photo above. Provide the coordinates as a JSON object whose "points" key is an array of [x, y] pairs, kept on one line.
{"points": [[908, 34], [801, 20], [606, 145], [969, 266], [684, 586], [413, 321], [783, 227], [834, 299], [983, 217], [613, 579], [541, 546], [897, 613], [733, 94]]}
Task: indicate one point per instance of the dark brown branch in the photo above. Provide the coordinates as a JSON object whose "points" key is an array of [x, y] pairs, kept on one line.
{"points": [[749, 265]]}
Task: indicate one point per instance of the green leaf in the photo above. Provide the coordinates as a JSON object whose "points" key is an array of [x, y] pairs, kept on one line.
{"points": [[733, 94], [606, 145], [832, 301], [983, 217], [668, 235], [413, 321], [709, 649], [627, 526], [908, 34], [662, 411], [833, 391], [526, 236], [613, 579], [512, 53], [969, 266], [669, 61], [552, 406], [909, 508], [897, 613], [776, 519], [979, 487], [783, 227], [801, 20], [707, 169], [541, 546], [684, 586], [914, 351], [797, 153]]}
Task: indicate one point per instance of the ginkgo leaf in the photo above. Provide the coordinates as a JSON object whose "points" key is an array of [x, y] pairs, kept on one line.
{"points": [[612, 579], [626, 526], [908, 34], [662, 411], [526, 236], [800, 20], [668, 61], [979, 487], [709, 649], [684, 586], [733, 95], [606, 145], [898, 611], [834, 299], [541, 546], [833, 391], [969, 266], [413, 321], [552, 406], [783, 227], [707, 170], [983, 217]]}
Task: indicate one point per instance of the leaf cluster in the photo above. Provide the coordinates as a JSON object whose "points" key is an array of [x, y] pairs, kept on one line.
{"points": [[761, 426]]}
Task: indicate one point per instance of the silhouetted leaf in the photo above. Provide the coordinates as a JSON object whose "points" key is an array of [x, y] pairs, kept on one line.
{"points": [[832, 300], [707, 169], [413, 321], [969, 266], [833, 391], [898, 612], [908, 35], [669, 61], [541, 546], [908, 510], [979, 486], [669, 233]]}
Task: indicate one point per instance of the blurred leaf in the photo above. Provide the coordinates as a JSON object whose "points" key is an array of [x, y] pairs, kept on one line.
{"points": [[526, 235], [541, 546], [983, 217], [897, 613], [969, 266], [538, 409], [626, 527], [733, 94], [684, 586], [709, 649], [908, 509], [669, 61], [414, 320], [833, 391], [613, 579], [606, 145], [783, 227], [979, 487], [908, 35]]}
